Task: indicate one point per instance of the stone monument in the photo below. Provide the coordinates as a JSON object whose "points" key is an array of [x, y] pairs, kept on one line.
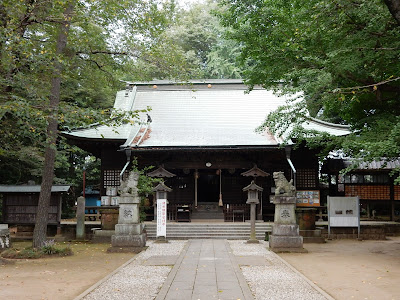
{"points": [[5, 241], [80, 218], [129, 235], [285, 232]]}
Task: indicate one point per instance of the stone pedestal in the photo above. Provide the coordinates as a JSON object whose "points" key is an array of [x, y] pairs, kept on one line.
{"points": [[285, 232], [129, 233], [253, 239]]}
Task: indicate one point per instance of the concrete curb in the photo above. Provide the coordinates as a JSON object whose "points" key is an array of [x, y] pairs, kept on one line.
{"points": [[239, 274], [97, 284], [312, 284], [167, 283]]}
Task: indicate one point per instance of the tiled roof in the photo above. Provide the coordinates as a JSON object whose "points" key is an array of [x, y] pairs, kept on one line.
{"points": [[217, 113]]}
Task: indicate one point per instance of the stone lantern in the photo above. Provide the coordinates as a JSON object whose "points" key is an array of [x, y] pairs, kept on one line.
{"points": [[252, 198], [161, 191]]}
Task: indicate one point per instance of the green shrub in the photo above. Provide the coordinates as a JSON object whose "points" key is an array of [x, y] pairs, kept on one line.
{"points": [[26, 253], [30, 253]]}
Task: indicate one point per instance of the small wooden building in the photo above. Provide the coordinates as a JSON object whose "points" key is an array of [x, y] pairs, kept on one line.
{"points": [[372, 182], [201, 137], [20, 203]]}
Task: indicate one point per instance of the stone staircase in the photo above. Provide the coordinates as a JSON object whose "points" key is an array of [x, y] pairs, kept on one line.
{"points": [[209, 230]]}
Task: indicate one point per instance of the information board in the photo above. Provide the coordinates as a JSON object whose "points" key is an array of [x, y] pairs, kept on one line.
{"points": [[162, 217], [307, 198], [343, 212]]}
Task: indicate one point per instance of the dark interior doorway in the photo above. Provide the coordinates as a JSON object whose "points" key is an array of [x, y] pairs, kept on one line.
{"points": [[208, 187]]}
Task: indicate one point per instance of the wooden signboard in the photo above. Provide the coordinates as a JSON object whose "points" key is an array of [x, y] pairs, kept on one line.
{"points": [[308, 199]]}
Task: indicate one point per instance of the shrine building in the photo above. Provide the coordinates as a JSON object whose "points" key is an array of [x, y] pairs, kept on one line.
{"points": [[201, 138]]}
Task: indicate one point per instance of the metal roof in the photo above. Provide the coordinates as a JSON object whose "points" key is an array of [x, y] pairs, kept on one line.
{"points": [[31, 188], [212, 115], [338, 164]]}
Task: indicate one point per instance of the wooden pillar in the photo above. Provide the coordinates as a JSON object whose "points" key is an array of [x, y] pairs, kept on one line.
{"points": [[196, 176]]}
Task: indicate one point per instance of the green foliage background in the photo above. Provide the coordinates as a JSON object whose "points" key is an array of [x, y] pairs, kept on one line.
{"points": [[341, 56]]}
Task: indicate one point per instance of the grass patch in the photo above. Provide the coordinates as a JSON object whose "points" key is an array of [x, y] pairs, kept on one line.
{"points": [[49, 249]]}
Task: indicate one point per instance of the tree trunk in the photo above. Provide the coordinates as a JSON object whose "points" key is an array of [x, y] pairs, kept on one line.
{"points": [[39, 233], [394, 8]]}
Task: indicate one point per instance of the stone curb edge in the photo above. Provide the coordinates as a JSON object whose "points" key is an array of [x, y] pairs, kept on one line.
{"points": [[239, 274], [94, 286], [312, 284], [162, 293]]}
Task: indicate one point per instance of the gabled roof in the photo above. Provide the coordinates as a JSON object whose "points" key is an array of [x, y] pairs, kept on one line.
{"points": [[213, 113], [31, 188]]}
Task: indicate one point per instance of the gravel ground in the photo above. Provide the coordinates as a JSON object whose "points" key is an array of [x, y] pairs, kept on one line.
{"points": [[136, 281], [276, 279]]}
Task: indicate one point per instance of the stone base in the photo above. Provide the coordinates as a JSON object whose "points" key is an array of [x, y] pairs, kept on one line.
{"points": [[129, 229], [125, 249], [102, 236], [161, 240], [137, 240], [253, 241], [285, 230], [289, 250], [285, 242]]}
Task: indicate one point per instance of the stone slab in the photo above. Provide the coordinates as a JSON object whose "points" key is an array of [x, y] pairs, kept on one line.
{"points": [[104, 232], [285, 229], [285, 241], [285, 214], [161, 260], [128, 213], [128, 240], [128, 229]]}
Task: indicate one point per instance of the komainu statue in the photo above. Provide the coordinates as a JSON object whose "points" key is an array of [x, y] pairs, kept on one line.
{"points": [[129, 185], [283, 187]]}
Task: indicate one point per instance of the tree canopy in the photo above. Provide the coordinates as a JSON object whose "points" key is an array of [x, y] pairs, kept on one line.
{"points": [[343, 56]]}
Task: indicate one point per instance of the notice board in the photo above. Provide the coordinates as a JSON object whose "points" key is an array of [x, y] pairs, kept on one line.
{"points": [[343, 212], [161, 217], [307, 198]]}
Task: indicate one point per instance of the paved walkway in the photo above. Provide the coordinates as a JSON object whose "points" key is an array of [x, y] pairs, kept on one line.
{"points": [[203, 270], [206, 269]]}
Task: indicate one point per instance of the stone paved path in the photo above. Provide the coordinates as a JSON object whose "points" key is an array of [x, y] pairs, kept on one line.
{"points": [[205, 270]]}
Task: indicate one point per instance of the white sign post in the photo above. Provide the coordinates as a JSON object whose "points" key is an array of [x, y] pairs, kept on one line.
{"points": [[162, 218], [343, 212]]}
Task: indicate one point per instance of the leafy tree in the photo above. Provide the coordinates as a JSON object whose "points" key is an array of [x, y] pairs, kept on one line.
{"points": [[342, 56], [57, 59]]}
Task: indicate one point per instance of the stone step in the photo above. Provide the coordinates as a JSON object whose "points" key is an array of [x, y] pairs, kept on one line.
{"points": [[219, 216], [210, 231]]}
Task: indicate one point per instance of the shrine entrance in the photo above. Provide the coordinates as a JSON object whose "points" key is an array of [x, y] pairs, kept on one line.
{"points": [[208, 186]]}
